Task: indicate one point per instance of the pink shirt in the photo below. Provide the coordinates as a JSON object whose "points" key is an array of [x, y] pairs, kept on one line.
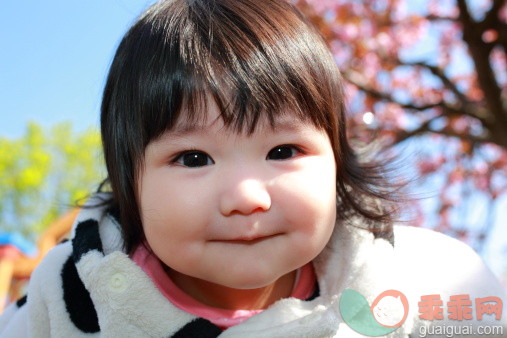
{"points": [[303, 288]]}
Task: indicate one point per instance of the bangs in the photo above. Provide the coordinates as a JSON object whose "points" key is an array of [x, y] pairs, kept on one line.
{"points": [[256, 61]]}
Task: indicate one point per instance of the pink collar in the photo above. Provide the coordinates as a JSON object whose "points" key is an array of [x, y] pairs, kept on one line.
{"points": [[303, 288]]}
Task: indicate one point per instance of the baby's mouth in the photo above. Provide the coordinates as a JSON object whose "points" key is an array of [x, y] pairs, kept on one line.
{"points": [[246, 240]]}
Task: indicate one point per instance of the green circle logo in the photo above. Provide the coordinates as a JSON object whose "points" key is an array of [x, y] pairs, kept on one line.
{"points": [[386, 314]]}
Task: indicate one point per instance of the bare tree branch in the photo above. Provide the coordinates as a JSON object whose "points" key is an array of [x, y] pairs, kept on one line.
{"points": [[480, 52], [502, 36], [445, 109], [424, 128], [438, 72], [357, 80], [492, 21], [466, 107], [433, 17], [464, 13], [491, 18]]}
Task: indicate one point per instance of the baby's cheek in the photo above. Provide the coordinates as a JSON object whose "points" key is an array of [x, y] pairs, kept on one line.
{"points": [[309, 238], [313, 209]]}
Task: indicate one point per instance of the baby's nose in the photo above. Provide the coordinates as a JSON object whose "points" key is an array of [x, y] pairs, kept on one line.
{"points": [[245, 197]]}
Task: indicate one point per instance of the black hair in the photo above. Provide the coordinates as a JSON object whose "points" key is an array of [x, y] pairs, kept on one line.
{"points": [[256, 59]]}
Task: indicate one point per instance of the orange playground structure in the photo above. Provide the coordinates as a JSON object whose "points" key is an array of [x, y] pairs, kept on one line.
{"points": [[16, 266]]}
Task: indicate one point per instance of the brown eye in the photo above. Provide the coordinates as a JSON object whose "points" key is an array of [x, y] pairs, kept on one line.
{"points": [[283, 152], [194, 159]]}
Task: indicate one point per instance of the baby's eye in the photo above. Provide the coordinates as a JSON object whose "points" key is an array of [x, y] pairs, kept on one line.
{"points": [[193, 159], [283, 152]]}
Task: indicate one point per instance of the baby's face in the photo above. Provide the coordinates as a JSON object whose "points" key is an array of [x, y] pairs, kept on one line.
{"points": [[238, 210]]}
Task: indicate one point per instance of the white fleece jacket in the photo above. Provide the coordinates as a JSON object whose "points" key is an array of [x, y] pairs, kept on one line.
{"points": [[88, 287]]}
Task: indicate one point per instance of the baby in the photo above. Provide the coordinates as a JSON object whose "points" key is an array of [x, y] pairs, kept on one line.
{"points": [[237, 206]]}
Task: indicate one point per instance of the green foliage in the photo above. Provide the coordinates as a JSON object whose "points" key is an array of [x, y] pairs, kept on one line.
{"points": [[45, 172]]}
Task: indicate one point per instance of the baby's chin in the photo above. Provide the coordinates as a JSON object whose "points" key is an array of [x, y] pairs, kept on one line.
{"points": [[247, 281]]}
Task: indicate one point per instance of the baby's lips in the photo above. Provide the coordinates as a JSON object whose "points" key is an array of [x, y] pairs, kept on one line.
{"points": [[250, 238]]}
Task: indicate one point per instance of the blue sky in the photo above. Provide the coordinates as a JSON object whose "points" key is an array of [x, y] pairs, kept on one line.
{"points": [[54, 59]]}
